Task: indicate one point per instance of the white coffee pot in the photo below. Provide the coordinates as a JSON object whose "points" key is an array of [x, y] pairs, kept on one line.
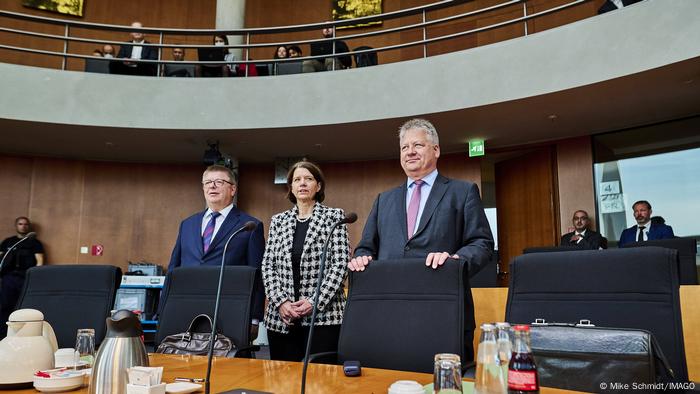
{"points": [[29, 347]]}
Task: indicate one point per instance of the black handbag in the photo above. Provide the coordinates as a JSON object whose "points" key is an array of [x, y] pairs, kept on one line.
{"points": [[197, 343], [583, 357]]}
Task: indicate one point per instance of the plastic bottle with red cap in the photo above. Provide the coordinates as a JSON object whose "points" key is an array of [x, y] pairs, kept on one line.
{"points": [[522, 371]]}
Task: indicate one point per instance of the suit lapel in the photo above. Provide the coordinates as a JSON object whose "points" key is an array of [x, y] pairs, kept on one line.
{"points": [[436, 193], [197, 230], [400, 202], [289, 226], [232, 220], [312, 235]]}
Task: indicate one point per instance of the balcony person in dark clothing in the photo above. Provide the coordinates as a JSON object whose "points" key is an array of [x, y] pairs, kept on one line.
{"points": [[326, 48]]}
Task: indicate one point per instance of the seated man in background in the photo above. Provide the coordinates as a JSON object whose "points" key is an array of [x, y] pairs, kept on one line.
{"points": [[28, 253], [135, 50], [581, 236], [645, 229], [326, 48], [178, 70]]}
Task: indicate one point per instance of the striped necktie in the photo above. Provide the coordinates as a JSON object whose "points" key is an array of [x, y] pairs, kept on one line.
{"points": [[208, 233]]}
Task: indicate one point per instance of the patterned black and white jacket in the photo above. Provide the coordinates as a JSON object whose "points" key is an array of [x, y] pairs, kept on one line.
{"points": [[277, 266]]}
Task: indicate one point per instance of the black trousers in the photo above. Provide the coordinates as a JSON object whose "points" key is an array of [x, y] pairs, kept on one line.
{"points": [[9, 295], [291, 346]]}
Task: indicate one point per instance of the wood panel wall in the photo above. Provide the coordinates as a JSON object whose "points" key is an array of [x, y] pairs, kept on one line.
{"points": [[134, 210], [266, 13], [525, 197], [351, 186], [575, 178], [185, 14]]}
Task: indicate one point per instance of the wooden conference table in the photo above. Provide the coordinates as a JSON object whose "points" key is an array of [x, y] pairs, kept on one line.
{"points": [[279, 376]]}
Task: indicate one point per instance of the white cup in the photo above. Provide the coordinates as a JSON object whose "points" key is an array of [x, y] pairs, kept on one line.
{"points": [[406, 387]]}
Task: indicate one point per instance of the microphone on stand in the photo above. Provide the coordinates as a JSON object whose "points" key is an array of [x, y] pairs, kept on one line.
{"points": [[4, 256], [349, 218], [249, 226]]}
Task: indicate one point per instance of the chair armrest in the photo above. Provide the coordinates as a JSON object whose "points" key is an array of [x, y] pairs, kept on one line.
{"points": [[246, 351]]}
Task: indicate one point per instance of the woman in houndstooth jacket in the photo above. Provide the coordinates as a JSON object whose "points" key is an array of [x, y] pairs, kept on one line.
{"points": [[290, 269]]}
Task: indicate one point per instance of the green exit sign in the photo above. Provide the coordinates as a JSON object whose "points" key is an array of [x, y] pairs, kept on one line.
{"points": [[476, 148]]}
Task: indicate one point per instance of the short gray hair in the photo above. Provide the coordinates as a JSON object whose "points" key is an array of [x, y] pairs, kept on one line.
{"points": [[423, 124], [219, 168]]}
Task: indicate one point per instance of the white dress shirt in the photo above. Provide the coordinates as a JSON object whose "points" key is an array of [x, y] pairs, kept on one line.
{"points": [[136, 50], [219, 220], [647, 227]]}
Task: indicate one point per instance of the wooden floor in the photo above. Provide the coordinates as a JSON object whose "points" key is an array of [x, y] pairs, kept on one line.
{"points": [[490, 306]]}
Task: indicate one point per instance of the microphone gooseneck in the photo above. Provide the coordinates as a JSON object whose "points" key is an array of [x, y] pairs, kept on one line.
{"points": [[349, 218], [26, 237], [249, 226]]}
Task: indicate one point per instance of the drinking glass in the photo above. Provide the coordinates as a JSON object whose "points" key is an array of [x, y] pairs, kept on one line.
{"points": [[85, 345], [448, 374]]}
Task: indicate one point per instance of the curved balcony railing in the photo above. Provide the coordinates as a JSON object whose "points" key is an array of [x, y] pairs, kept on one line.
{"points": [[250, 36]]}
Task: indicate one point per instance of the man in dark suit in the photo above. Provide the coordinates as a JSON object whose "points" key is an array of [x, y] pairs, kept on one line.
{"points": [[135, 50], [203, 235], [583, 237], [645, 229], [429, 216]]}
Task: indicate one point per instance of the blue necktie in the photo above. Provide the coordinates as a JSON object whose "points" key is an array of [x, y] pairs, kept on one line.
{"points": [[209, 231]]}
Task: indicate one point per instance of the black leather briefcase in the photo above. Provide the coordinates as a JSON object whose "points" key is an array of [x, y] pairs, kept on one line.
{"points": [[197, 343], [583, 357]]}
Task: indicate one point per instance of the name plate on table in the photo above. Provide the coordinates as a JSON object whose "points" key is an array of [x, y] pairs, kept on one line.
{"points": [[142, 281]]}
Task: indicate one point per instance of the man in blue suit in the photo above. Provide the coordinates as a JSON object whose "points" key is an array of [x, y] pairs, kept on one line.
{"points": [[203, 235], [429, 216], [644, 230]]}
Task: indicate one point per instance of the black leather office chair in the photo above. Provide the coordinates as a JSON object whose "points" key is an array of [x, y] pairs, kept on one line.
{"points": [[401, 313], [179, 70], [488, 275], [547, 249], [687, 249], [622, 288], [72, 297], [191, 291], [365, 59]]}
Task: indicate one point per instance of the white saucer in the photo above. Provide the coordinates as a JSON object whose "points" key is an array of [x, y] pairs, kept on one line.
{"points": [[182, 387], [54, 384]]}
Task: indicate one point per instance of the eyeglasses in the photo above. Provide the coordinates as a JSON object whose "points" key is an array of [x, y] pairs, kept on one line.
{"points": [[215, 182]]}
